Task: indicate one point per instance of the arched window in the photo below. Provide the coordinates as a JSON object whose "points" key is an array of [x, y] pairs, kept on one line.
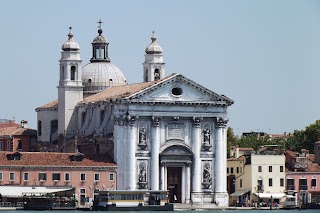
{"points": [[39, 128], [73, 73], [83, 118], [156, 74], [100, 52], [101, 116]]}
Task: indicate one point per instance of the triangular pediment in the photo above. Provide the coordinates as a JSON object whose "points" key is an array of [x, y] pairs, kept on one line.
{"points": [[179, 89]]}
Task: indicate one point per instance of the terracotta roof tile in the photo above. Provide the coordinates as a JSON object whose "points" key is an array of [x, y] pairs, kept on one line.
{"points": [[8, 123], [290, 153], [17, 131], [56, 159], [245, 149], [312, 157], [115, 92], [123, 91], [52, 104], [241, 158]]}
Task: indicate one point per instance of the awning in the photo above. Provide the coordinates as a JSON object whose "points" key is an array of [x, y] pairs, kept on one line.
{"points": [[19, 191], [239, 193], [268, 195]]}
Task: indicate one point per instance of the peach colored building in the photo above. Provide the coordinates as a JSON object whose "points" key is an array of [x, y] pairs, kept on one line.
{"points": [[303, 178], [16, 137], [85, 173]]}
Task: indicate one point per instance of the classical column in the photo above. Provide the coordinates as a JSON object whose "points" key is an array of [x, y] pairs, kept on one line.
{"points": [[196, 148], [220, 155], [131, 158], [155, 146], [162, 180], [188, 177]]}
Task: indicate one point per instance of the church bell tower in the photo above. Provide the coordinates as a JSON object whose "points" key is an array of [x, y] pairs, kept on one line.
{"points": [[153, 66], [70, 89]]}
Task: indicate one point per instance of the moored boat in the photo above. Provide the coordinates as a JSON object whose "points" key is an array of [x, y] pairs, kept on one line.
{"points": [[132, 200]]}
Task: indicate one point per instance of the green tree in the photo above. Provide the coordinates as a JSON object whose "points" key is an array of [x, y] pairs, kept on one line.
{"points": [[231, 139]]}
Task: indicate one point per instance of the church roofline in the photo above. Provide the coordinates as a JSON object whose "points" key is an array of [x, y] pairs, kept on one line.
{"points": [[132, 92], [53, 105]]}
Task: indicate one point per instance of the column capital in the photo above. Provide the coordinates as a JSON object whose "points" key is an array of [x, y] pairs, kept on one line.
{"points": [[156, 121], [118, 120], [197, 121], [221, 122], [131, 119]]}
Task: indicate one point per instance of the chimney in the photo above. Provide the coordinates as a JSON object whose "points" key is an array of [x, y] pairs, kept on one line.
{"points": [[24, 124]]}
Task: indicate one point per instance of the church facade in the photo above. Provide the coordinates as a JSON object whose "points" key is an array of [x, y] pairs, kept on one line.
{"points": [[165, 133]]}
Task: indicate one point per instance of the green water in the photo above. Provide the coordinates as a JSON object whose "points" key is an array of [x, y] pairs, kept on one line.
{"points": [[180, 211]]}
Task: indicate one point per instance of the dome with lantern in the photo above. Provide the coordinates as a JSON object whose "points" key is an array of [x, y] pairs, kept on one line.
{"points": [[100, 74]]}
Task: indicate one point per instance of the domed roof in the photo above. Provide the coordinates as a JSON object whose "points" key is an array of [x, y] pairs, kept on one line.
{"points": [[100, 38], [153, 48], [70, 44], [99, 76]]}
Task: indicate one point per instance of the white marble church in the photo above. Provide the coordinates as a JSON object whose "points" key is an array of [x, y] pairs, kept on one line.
{"points": [[167, 132]]}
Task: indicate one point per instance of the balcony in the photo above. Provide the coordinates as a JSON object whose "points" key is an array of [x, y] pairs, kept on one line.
{"points": [[290, 187], [303, 187], [299, 165], [260, 188]]}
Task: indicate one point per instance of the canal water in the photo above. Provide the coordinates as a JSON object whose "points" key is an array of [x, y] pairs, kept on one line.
{"points": [[182, 211]]}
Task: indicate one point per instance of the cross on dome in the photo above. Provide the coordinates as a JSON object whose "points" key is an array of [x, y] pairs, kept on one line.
{"points": [[100, 29]]}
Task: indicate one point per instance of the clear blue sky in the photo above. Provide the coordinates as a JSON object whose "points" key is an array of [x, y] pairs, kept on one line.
{"points": [[262, 54]]}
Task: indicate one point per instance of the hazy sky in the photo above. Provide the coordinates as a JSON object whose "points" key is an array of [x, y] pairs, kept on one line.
{"points": [[262, 54]]}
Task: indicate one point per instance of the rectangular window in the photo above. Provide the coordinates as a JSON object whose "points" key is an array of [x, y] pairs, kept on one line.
{"points": [[231, 170], [259, 168], [1, 146], [39, 128], [314, 182], [11, 176], [240, 183], [303, 184], [270, 168], [82, 191], [56, 176], [281, 182], [19, 145], [42, 176], [260, 185], [270, 181], [82, 176], [290, 184], [97, 177], [111, 176], [26, 176], [67, 176], [227, 170], [281, 168], [237, 169], [8, 145], [1, 176]]}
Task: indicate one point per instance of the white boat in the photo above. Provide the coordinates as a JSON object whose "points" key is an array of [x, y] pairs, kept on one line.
{"points": [[132, 200]]}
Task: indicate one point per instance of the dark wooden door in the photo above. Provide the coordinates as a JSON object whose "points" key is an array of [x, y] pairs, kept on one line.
{"points": [[174, 184]]}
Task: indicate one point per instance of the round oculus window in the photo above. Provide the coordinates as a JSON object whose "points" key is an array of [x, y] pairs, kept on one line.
{"points": [[176, 91]]}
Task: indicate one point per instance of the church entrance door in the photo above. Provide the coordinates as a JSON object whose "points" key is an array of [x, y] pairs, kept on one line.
{"points": [[174, 184]]}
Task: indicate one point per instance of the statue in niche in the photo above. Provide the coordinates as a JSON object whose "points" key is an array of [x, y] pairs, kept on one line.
{"points": [[206, 174], [142, 138], [142, 178], [142, 175], [206, 139], [206, 177]]}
